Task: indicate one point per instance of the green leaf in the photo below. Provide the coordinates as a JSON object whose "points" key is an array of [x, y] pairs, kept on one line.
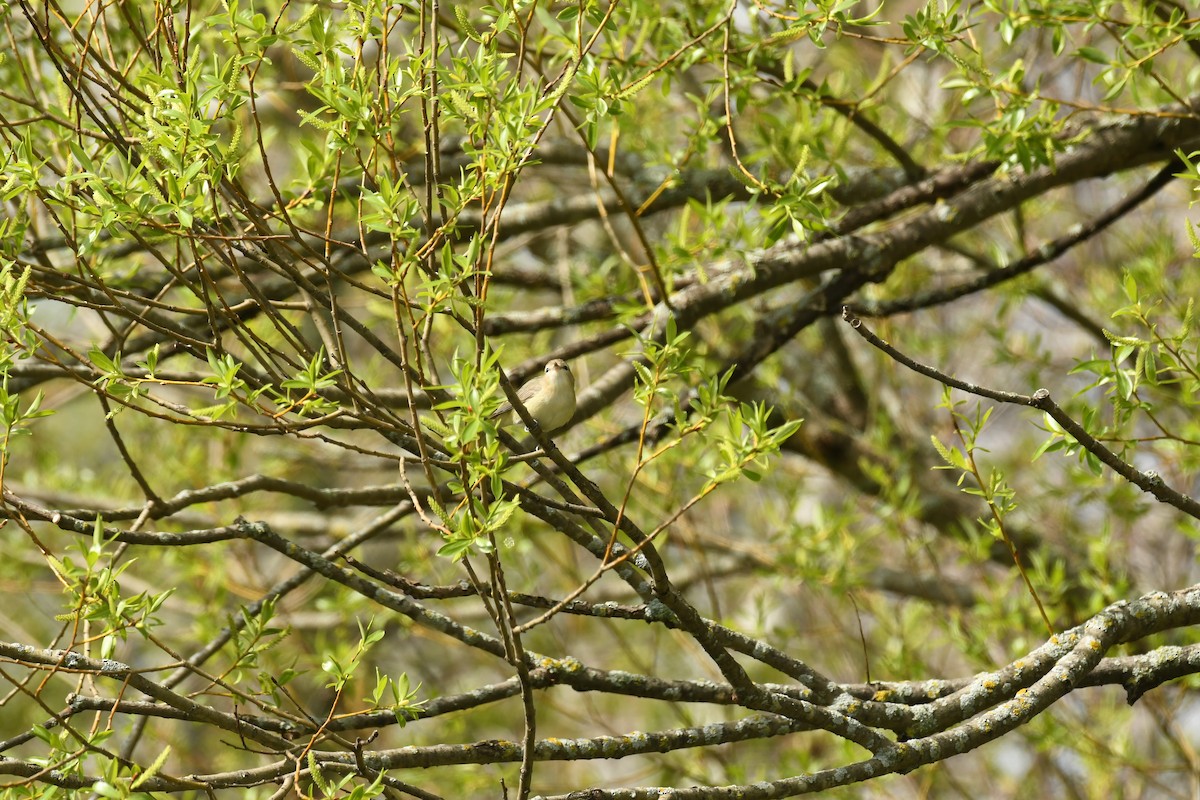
{"points": [[1095, 55]]}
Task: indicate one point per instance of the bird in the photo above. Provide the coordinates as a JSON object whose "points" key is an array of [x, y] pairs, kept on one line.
{"points": [[549, 398]]}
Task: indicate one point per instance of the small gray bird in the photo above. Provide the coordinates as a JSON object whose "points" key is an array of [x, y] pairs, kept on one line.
{"points": [[549, 398]]}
